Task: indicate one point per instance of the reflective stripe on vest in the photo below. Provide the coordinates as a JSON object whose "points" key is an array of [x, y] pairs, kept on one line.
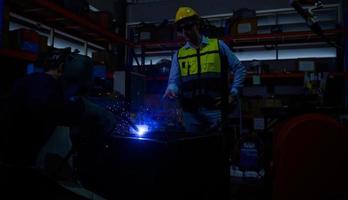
{"points": [[209, 60], [203, 76]]}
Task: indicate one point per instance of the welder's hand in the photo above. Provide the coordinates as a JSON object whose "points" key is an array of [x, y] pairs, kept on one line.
{"points": [[170, 94]]}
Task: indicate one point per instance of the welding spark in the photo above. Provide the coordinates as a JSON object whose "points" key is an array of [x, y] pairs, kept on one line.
{"points": [[142, 130]]}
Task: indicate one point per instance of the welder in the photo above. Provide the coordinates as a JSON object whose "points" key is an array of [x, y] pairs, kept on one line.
{"points": [[39, 103], [199, 75], [36, 107]]}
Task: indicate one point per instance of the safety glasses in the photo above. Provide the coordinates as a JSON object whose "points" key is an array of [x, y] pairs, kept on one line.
{"points": [[185, 26]]}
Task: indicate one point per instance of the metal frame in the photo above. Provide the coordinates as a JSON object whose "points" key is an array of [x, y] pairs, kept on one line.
{"points": [[227, 15], [54, 31], [247, 41], [82, 22]]}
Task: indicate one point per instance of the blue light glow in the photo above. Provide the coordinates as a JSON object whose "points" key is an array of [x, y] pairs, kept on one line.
{"points": [[144, 121], [142, 130]]}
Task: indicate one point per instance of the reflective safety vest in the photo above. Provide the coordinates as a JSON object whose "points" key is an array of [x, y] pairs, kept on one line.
{"points": [[200, 72]]}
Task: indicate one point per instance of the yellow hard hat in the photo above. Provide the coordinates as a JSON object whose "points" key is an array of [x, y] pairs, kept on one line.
{"points": [[185, 12]]}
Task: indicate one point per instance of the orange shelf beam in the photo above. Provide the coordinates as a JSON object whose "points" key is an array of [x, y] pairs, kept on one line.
{"points": [[80, 21], [18, 54]]}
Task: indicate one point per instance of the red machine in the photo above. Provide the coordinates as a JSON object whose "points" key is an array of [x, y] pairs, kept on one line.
{"points": [[311, 159]]}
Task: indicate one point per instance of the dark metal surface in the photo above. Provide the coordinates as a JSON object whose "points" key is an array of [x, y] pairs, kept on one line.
{"points": [[161, 165]]}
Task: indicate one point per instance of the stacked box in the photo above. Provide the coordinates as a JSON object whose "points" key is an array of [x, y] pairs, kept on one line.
{"points": [[162, 32], [144, 32], [244, 21], [244, 26], [25, 39]]}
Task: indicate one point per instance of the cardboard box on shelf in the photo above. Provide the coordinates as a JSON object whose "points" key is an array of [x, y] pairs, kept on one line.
{"points": [[144, 32], [244, 26], [25, 39], [315, 65], [306, 65]]}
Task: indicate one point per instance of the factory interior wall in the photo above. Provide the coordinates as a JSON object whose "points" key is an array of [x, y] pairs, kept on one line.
{"points": [[158, 11], [165, 9]]}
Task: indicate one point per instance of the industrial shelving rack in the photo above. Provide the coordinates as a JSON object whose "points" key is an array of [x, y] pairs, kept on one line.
{"points": [[49, 14], [251, 40]]}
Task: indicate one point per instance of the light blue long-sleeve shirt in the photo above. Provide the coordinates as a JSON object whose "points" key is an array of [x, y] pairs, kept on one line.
{"points": [[235, 66]]}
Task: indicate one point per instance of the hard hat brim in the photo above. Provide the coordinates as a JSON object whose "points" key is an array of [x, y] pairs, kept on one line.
{"points": [[194, 18]]}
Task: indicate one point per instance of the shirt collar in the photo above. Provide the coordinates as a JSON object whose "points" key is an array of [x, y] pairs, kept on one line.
{"points": [[204, 41]]}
